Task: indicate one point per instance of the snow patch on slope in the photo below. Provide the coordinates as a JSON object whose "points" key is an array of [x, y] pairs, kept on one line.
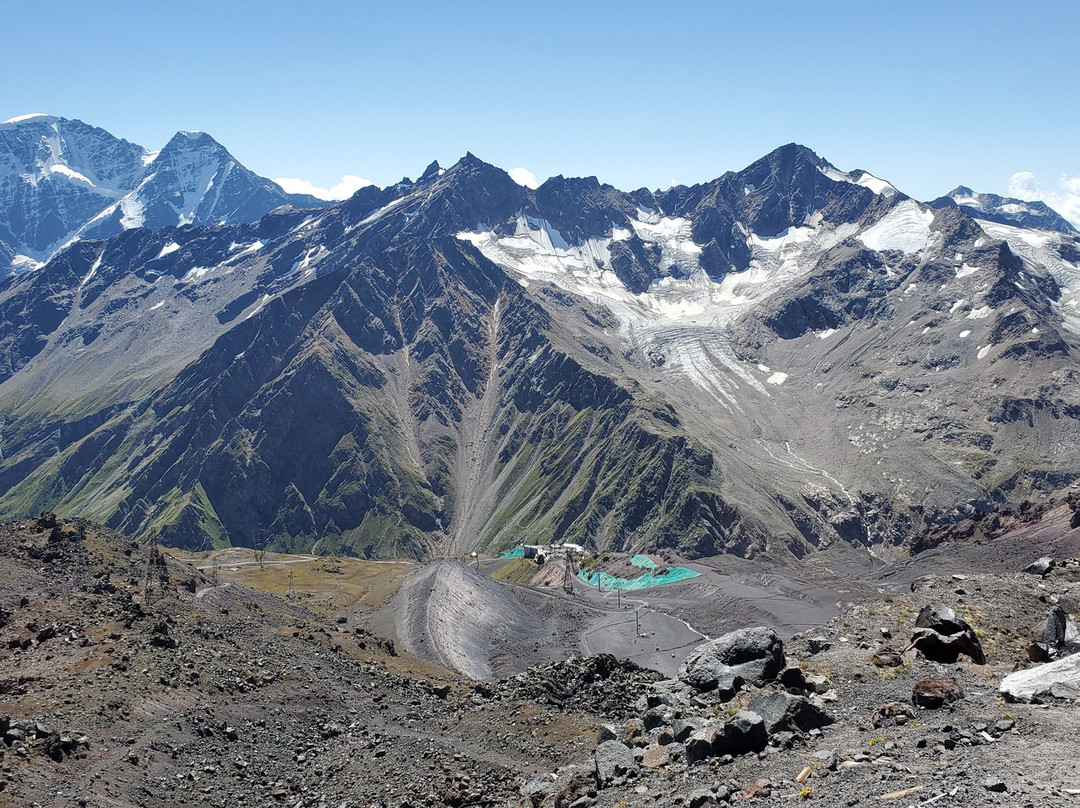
{"points": [[80, 179], [863, 178], [248, 249], [93, 269], [24, 263], [132, 210], [905, 228], [169, 248]]}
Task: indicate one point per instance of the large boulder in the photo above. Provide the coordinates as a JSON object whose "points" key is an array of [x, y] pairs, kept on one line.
{"points": [[1058, 679], [702, 743], [942, 636], [613, 760], [785, 712], [1040, 566], [747, 656], [1056, 637], [743, 733]]}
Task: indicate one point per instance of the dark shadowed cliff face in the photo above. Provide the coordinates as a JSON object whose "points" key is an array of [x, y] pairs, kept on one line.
{"points": [[787, 357]]}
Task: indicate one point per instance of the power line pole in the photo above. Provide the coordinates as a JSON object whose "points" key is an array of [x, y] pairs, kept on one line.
{"points": [[258, 541]]}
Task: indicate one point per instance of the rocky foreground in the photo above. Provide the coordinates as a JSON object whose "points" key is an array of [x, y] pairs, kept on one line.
{"points": [[130, 679]]}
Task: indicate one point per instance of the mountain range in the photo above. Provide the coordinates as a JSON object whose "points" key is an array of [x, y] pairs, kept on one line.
{"points": [[62, 180], [788, 358]]}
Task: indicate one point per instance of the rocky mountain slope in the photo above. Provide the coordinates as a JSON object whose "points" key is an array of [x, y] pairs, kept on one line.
{"points": [[62, 180], [785, 358], [130, 678]]}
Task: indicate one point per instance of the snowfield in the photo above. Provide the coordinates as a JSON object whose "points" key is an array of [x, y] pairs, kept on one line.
{"points": [[905, 228], [684, 318]]}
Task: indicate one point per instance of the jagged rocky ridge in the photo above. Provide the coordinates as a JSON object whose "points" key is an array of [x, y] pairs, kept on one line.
{"points": [[783, 358]]}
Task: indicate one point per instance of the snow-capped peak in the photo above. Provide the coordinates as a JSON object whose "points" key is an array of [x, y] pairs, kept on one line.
{"points": [[33, 116]]}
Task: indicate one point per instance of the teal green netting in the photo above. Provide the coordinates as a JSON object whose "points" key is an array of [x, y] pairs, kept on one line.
{"points": [[651, 578]]}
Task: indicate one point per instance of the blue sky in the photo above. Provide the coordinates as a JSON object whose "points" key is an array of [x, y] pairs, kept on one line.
{"points": [[928, 95]]}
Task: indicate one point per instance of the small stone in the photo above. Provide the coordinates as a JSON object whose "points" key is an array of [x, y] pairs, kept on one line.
{"points": [[891, 714], [700, 745], [656, 717], [759, 788], [934, 692], [683, 729], [607, 732], [826, 758], [995, 784], [535, 791], [656, 757], [699, 798], [886, 657]]}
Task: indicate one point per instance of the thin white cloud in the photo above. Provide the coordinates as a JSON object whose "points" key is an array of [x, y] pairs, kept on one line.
{"points": [[1065, 200], [522, 176], [348, 186]]}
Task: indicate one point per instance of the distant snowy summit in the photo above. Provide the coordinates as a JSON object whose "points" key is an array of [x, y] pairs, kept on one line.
{"points": [[63, 180], [1005, 210]]}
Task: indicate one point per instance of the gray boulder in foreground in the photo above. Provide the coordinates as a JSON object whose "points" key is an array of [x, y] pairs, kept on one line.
{"points": [[942, 635], [785, 712], [747, 656], [744, 733], [1059, 679], [613, 759]]}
